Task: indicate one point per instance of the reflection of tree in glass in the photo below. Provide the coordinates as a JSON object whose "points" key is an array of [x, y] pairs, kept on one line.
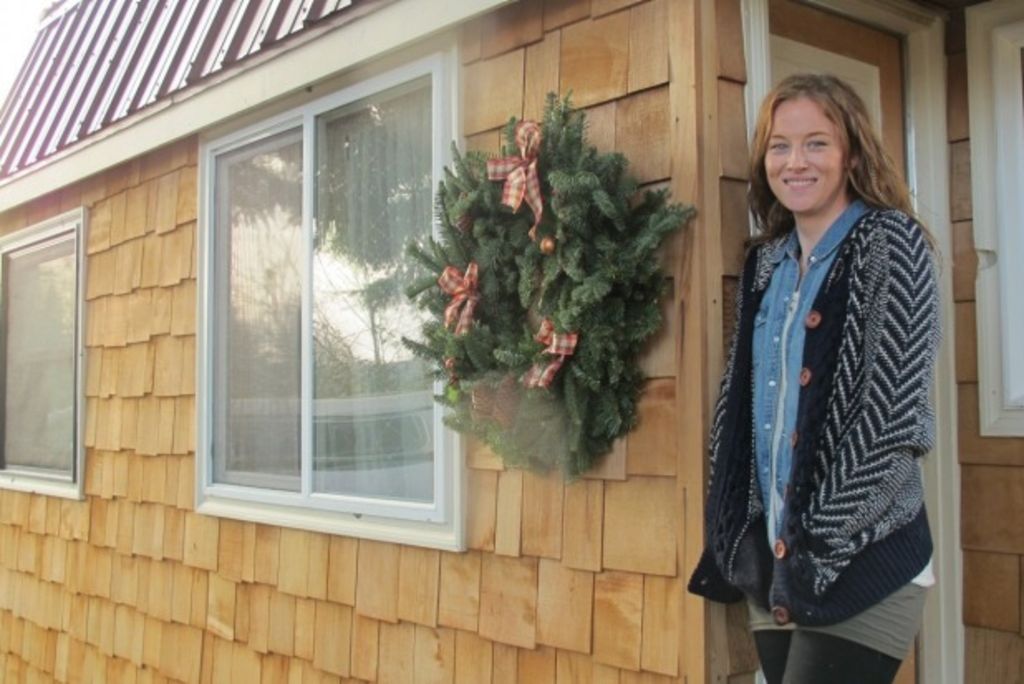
{"points": [[373, 195], [267, 181], [264, 205], [40, 302], [259, 234], [358, 321], [57, 279], [373, 178]]}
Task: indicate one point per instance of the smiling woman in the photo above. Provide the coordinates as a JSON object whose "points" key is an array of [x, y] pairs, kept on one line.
{"points": [[869, 172], [805, 167], [815, 509]]}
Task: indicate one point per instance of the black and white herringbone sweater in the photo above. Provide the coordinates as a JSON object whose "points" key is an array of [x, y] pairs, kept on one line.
{"points": [[854, 526]]}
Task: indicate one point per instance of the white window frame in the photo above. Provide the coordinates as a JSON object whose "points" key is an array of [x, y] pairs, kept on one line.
{"points": [[995, 37], [34, 481], [437, 524]]}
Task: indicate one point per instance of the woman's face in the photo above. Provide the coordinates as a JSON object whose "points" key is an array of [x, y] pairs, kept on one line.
{"points": [[806, 165]]}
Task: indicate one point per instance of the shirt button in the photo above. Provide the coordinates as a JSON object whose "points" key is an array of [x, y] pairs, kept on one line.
{"points": [[767, 426], [805, 377], [813, 259], [771, 383], [775, 339], [813, 319], [780, 614]]}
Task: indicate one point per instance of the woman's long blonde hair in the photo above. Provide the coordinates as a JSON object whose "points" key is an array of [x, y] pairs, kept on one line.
{"points": [[871, 174]]}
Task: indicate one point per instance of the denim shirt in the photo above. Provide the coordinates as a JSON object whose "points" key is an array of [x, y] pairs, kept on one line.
{"points": [[778, 357]]}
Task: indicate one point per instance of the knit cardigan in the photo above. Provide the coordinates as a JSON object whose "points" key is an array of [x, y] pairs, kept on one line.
{"points": [[854, 526]]}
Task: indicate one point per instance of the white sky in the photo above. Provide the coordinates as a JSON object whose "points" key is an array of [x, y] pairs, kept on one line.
{"points": [[18, 22]]}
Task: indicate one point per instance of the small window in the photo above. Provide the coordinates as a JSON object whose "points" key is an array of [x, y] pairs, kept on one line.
{"points": [[312, 411], [40, 345]]}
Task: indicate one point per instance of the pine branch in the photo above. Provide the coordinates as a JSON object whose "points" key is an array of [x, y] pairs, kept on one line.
{"points": [[602, 281]]}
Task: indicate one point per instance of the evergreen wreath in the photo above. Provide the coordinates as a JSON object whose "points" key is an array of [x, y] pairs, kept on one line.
{"points": [[539, 313]]}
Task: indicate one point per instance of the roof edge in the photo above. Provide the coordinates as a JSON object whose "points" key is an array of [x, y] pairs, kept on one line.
{"points": [[254, 83]]}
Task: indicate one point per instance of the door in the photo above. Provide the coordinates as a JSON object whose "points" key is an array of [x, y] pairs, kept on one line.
{"points": [[802, 39]]}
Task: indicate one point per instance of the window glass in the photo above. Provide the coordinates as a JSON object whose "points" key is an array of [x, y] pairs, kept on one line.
{"points": [[372, 410], [40, 307], [259, 303], [373, 405]]}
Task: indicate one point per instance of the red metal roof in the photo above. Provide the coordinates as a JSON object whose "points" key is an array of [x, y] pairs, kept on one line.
{"points": [[96, 62]]}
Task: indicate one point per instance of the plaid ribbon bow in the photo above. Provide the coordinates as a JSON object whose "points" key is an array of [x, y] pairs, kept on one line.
{"points": [[560, 345], [462, 288], [520, 173]]}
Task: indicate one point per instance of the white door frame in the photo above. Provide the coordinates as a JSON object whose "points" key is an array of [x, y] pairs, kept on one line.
{"points": [[942, 644]]}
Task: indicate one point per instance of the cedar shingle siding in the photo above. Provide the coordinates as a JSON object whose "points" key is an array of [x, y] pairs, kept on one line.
{"points": [[562, 582]]}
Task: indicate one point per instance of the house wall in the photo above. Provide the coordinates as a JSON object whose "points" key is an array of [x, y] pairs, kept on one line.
{"points": [[121, 586], [562, 582], [583, 578], [729, 628], [992, 469]]}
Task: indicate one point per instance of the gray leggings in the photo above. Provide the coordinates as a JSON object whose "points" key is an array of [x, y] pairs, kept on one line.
{"points": [[805, 657], [865, 649]]}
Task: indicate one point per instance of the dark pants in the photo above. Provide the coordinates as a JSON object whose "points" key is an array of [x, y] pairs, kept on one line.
{"points": [[804, 657]]}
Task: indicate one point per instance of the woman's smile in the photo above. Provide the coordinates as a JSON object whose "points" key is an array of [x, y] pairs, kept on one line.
{"points": [[806, 165]]}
